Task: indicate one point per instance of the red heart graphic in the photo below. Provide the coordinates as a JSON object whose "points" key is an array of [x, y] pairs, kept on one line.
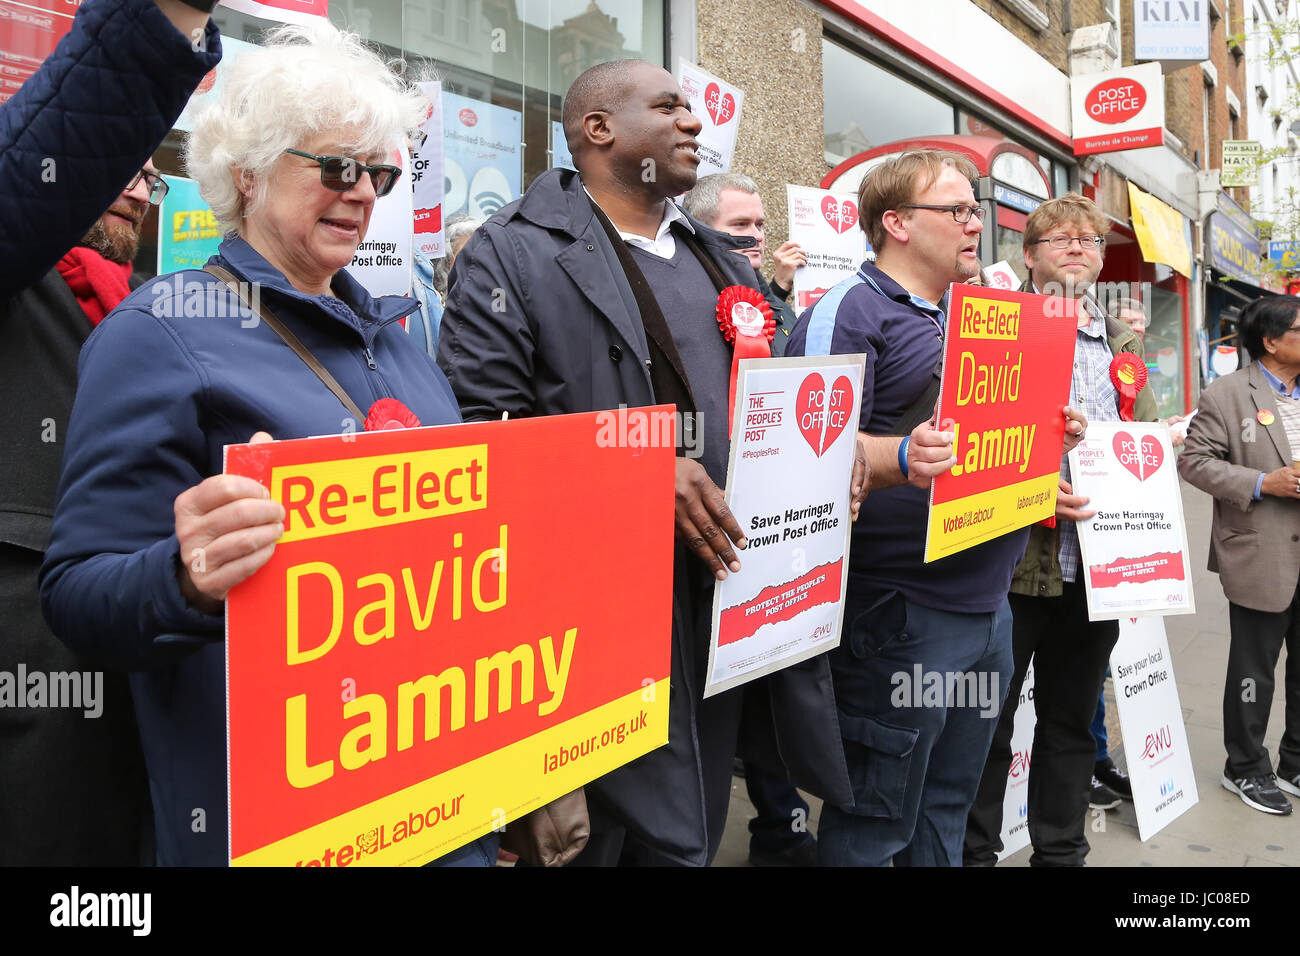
{"points": [[1142, 460], [721, 107], [821, 414], [838, 419], [842, 216]]}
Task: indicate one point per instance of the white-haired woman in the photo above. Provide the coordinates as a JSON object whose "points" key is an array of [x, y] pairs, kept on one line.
{"points": [[291, 157]]}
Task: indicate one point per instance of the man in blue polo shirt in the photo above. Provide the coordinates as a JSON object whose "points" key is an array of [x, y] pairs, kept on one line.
{"points": [[915, 763]]}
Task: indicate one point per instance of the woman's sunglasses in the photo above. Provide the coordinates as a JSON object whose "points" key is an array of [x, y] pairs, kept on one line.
{"points": [[341, 173]]}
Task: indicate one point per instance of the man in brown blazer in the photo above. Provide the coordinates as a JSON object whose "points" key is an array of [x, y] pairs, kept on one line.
{"points": [[1241, 448]]}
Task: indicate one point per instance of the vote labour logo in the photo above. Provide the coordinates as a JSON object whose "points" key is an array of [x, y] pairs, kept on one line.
{"points": [[1115, 101]]}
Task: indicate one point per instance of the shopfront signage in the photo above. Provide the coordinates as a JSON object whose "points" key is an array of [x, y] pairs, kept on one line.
{"points": [[1015, 199], [1234, 249], [1171, 30], [1285, 252], [1118, 109]]}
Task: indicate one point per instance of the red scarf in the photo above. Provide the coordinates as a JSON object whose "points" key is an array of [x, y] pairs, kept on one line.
{"points": [[99, 285]]}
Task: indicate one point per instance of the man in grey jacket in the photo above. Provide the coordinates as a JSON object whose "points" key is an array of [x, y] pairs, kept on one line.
{"points": [[595, 290]]}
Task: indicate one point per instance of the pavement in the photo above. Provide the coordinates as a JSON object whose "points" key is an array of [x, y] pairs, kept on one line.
{"points": [[1219, 830]]}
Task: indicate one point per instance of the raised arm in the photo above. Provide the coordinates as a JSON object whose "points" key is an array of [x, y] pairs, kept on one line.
{"points": [[84, 124]]}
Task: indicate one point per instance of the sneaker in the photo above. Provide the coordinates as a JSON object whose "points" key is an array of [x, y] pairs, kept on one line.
{"points": [[1260, 793], [1117, 780], [1288, 782], [1101, 797]]}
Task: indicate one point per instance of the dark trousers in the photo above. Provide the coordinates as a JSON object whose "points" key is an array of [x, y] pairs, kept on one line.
{"points": [[1070, 656], [781, 822], [914, 758], [1257, 638], [718, 730]]}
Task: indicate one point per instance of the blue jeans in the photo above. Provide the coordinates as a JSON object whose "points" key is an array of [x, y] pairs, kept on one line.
{"points": [[919, 692], [482, 852], [1098, 727]]}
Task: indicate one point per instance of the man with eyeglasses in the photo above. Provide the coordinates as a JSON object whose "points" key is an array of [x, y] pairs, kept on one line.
{"points": [[914, 764], [75, 790], [1063, 247]]}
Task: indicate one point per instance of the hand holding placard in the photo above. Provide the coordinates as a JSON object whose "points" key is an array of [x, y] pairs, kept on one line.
{"points": [[701, 511], [226, 528]]}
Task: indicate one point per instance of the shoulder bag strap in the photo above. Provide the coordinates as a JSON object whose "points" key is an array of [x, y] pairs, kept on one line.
{"points": [[291, 340]]}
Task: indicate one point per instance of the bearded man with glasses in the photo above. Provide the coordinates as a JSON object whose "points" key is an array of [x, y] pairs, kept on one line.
{"points": [[1063, 247], [75, 789]]}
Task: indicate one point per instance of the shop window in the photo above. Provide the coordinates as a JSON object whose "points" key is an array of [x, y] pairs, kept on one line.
{"points": [[1164, 347], [1010, 249], [867, 106]]}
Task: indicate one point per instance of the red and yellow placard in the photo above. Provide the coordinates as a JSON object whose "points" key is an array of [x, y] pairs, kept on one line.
{"points": [[1006, 379], [458, 625]]}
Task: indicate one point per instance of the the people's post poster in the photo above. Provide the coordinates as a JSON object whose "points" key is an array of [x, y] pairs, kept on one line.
{"points": [[793, 441], [408, 672], [716, 104], [1151, 722], [427, 177], [382, 262], [1006, 381], [826, 225], [1134, 550], [188, 234]]}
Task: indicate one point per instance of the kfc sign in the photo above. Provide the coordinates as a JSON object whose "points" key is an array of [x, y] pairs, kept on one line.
{"points": [[1118, 109]]}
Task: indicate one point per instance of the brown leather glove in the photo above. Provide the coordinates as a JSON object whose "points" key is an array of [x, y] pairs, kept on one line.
{"points": [[551, 835]]}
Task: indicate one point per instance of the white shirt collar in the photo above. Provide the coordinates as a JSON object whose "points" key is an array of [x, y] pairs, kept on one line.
{"points": [[663, 244]]}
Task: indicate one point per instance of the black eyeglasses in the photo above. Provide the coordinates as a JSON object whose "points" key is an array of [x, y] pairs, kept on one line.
{"points": [[157, 185], [342, 173], [960, 211], [1063, 242]]}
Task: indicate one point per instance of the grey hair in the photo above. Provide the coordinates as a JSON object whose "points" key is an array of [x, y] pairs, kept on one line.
{"points": [[458, 226], [702, 201], [306, 80]]}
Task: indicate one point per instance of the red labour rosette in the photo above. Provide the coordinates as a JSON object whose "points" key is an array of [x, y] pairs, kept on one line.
{"points": [[1128, 374], [390, 413], [746, 321]]}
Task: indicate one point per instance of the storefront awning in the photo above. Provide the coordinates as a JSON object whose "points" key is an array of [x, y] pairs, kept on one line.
{"points": [[1163, 233]]}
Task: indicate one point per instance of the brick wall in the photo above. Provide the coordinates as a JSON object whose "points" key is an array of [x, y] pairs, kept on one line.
{"points": [[772, 51]]}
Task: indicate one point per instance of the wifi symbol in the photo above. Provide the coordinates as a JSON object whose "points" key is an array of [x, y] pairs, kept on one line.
{"points": [[490, 202]]}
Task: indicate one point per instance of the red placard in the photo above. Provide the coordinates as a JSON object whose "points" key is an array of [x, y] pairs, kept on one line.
{"points": [[459, 624], [1006, 378]]}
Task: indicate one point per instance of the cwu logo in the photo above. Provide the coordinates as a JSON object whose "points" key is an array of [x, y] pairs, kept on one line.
{"points": [[1024, 808], [1158, 744], [1019, 763], [1167, 787]]}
